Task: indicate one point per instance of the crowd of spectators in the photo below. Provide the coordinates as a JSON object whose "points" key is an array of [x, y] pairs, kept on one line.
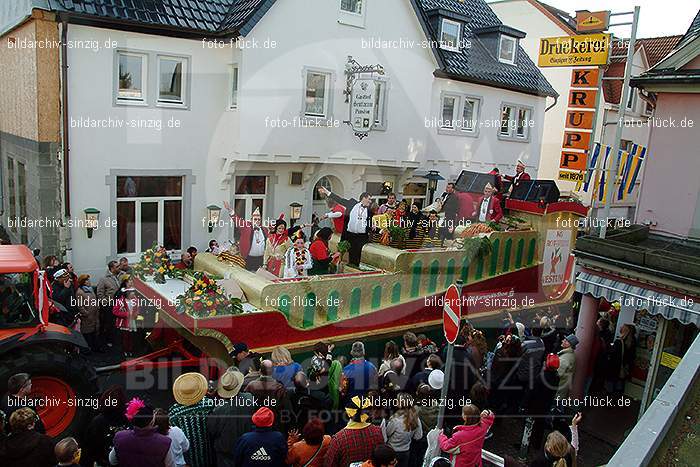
{"points": [[335, 410]]}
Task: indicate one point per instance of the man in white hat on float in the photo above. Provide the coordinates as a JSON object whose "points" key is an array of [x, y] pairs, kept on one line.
{"points": [[488, 208], [520, 175], [253, 237]]}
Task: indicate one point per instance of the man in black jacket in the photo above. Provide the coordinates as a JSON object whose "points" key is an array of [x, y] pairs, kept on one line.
{"points": [[450, 205], [231, 419], [357, 222]]}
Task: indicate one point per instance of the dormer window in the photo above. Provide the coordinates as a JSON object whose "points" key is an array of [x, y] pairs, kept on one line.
{"points": [[506, 49], [450, 34]]}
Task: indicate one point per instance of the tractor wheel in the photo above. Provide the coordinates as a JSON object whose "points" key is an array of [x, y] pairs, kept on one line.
{"points": [[66, 382]]}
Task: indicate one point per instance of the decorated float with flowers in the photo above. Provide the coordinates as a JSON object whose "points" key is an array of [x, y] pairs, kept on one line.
{"points": [[524, 262]]}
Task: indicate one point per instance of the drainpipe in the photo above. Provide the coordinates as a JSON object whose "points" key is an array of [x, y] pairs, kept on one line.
{"points": [[64, 111], [556, 98]]}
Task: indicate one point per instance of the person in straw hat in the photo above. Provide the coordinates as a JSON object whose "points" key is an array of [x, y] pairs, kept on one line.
{"points": [[230, 420], [488, 208], [189, 413]]}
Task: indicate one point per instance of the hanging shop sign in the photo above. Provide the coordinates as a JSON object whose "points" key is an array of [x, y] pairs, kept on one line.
{"points": [[360, 93], [581, 50], [596, 21], [362, 102]]}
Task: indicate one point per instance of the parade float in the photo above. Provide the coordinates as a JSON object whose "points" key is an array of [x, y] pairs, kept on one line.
{"points": [[526, 263]]}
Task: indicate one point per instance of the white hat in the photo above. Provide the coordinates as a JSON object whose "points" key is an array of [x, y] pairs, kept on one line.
{"points": [[489, 186], [256, 212], [520, 162], [436, 378], [59, 273]]}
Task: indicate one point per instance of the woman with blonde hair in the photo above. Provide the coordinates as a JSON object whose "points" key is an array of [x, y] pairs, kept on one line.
{"points": [[402, 428], [557, 452], [285, 367]]}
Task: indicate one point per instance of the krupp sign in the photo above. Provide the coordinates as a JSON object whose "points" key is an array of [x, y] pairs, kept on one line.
{"points": [[362, 105]]}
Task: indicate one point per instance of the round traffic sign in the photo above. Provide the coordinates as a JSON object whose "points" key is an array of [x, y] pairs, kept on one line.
{"points": [[451, 313]]}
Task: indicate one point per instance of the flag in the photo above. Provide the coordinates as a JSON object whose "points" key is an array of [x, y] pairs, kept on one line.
{"points": [[622, 170], [640, 153], [590, 169], [603, 180]]}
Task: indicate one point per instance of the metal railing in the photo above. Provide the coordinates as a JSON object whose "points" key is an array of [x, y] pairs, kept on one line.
{"points": [[644, 440]]}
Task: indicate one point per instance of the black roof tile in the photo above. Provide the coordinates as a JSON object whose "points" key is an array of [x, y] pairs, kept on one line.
{"points": [[476, 63], [207, 17]]}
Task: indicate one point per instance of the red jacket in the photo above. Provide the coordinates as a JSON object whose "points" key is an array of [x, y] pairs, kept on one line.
{"points": [[339, 222], [495, 213], [246, 229], [469, 440], [523, 176]]}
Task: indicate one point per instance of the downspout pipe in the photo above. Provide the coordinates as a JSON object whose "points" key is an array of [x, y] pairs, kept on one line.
{"points": [[556, 99], [64, 111]]}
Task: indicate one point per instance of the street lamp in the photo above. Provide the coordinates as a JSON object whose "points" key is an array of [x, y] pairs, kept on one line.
{"points": [[92, 217], [432, 176], [213, 215], [294, 213]]}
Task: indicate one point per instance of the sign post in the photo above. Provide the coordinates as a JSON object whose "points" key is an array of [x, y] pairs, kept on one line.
{"points": [[451, 316]]}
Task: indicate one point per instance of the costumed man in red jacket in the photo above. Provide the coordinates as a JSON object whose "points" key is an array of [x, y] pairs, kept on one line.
{"points": [[337, 214], [520, 175], [488, 208], [253, 237]]}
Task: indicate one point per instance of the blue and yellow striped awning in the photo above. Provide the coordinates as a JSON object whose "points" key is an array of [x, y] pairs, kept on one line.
{"points": [[684, 309]]}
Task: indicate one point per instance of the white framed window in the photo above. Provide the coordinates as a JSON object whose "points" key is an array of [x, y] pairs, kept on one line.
{"points": [[317, 103], [459, 114], [450, 34], [448, 111], [352, 12], [131, 77], [380, 104], [351, 6], [250, 194], [172, 80], [470, 114], [233, 87], [515, 122], [522, 126], [507, 48], [149, 210]]}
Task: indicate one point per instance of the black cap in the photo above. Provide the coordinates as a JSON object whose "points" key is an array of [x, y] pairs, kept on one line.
{"points": [[238, 348]]}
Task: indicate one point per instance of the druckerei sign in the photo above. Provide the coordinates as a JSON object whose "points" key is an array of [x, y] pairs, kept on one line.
{"points": [[362, 102], [582, 50]]}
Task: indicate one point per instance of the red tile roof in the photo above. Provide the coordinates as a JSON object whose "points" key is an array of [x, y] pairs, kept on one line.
{"points": [[655, 48]]}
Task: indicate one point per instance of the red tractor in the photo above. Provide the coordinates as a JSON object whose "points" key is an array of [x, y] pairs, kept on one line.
{"points": [[62, 378]]}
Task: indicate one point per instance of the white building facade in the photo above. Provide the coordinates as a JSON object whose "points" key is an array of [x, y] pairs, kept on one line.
{"points": [[162, 127]]}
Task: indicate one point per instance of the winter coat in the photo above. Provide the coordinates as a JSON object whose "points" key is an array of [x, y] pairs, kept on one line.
{"points": [[532, 359], [141, 447], [125, 315], [261, 447], [466, 442], [107, 287], [229, 422], [27, 449], [567, 366], [89, 310]]}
